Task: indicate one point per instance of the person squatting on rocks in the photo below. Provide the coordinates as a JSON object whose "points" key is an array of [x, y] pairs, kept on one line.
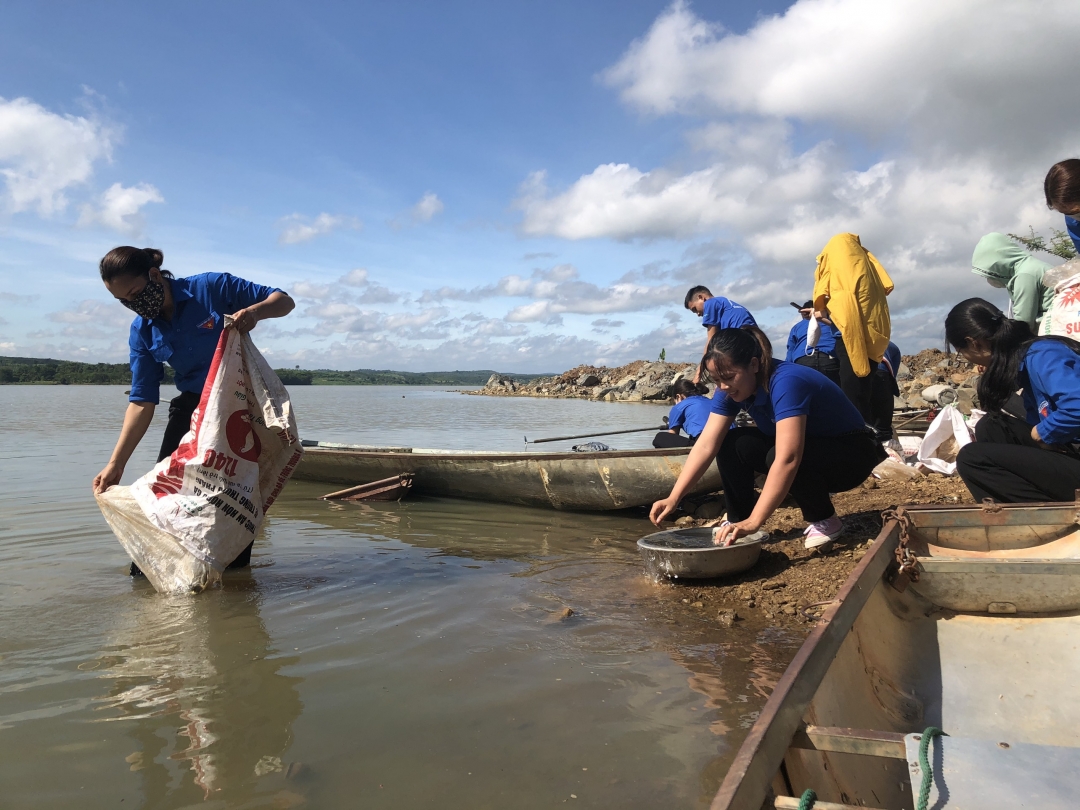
{"points": [[1006, 265], [809, 440], [1014, 460], [690, 413], [1062, 189], [178, 321], [850, 289], [716, 312]]}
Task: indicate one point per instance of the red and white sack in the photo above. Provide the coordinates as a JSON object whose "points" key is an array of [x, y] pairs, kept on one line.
{"points": [[193, 513], [1063, 317]]}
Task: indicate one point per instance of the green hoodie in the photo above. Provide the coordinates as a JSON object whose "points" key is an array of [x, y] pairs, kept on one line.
{"points": [[999, 258]]}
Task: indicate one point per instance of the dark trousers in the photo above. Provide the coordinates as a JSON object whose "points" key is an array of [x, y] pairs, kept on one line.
{"points": [[667, 439], [860, 390], [180, 410], [1005, 464], [827, 364], [881, 404], [829, 464]]}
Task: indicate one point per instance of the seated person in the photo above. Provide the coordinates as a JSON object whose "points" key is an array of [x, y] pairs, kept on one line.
{"points": [[716, 312], [884, 393], [1016, 460], [691, 412], [821, 356], [809, 440], [1006, 265]]}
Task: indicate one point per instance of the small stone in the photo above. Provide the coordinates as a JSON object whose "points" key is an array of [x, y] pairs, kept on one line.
{"points": [[727, 617], [769, 616], [772, 586], [698, 604], [684, 521], [789, 610], [566, 613], [870, 483]]}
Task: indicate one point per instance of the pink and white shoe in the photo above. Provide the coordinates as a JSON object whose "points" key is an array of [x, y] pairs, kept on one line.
{"points": [[823, 532]]}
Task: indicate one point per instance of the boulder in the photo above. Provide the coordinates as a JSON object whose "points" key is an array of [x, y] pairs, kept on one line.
{"points": [[941, 394], [652, 391], [588, 380], [903, 373], [500, 382], [965, 399]]}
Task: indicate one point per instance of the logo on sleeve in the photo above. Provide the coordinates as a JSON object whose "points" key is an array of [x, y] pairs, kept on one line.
{"points": [[208, 323], [1044, 409]]}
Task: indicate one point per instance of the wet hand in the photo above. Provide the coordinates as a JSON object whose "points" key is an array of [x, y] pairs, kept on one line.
{"points": [[244, 320], [661, 509], [728, 533], [108, 477]]}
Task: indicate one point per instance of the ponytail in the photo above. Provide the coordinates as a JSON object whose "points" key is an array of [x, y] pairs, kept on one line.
{"points": [[737, 348], [131, 261], [1009, 340]]}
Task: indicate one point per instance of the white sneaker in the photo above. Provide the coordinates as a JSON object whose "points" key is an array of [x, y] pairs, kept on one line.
{"points": [[823, 532]]}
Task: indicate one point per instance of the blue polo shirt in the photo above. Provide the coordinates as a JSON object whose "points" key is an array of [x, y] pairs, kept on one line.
{"points": [[691, 415], [796, 342], [1073, 227], [725, 314], [796, 390], [1050, 376], [188, 341]]}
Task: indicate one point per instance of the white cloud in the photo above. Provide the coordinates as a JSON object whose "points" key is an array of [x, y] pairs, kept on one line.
{"points": [[429, 207], [43, 155], [297, 228], [120, 208], [355, 278]]}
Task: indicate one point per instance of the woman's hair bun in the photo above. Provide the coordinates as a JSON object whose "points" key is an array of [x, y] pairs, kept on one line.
{"points": [[157, 258]]}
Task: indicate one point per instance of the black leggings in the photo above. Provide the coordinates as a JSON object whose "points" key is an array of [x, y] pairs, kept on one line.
{"points": [[860, 390], [180, 410], [1005, 464], [882, 403], [829, 464], [668, 439]]}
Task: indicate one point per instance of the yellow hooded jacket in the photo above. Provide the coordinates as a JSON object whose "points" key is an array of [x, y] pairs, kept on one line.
{"points": [[854, 284]]}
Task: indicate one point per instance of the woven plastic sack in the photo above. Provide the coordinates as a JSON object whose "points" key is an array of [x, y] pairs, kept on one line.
{"points": [[194, 512], [1063, 318], [943, 440]]}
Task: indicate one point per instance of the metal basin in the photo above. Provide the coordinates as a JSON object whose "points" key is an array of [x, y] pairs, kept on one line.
{"points": [[690, 554]]}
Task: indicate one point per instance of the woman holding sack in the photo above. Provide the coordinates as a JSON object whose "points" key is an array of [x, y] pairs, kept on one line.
{"points": [[809, 440], [178, 321], [1015, 460]]}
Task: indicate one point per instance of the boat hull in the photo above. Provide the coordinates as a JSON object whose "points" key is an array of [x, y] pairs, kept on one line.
{"points": [[584, 482]]}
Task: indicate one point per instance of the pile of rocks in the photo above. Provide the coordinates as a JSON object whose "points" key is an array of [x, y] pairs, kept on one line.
{"points": [[639, 381], [933, 379]]}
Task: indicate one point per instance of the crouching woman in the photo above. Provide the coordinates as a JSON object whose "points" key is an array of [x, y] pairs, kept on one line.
{"points": [[809, 440], [1015, 460]]}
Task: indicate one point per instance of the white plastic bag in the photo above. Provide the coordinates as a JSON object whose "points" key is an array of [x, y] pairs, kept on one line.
{"points": [[943, 440], [813, 332], [193, 513], [1063, 318]]}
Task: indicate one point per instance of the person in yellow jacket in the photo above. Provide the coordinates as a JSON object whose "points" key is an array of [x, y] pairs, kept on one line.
{"points": [[850, 289]]}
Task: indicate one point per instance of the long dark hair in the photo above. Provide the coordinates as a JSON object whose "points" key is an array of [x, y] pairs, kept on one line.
{"points": [[131, 261], [688, 388], [736, 348], [1062, 185], [978, 319]]}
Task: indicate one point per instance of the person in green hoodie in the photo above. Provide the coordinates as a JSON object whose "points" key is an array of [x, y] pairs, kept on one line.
{"points": [[1005, 264]]}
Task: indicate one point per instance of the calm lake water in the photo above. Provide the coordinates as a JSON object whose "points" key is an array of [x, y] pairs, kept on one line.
{"points": [[388, 655]]}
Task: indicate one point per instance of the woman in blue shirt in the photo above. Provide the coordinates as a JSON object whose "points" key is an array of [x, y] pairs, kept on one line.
{"points": [[822, 356], [691, 412], [1015, 460], [177, 320], [809, 440]]}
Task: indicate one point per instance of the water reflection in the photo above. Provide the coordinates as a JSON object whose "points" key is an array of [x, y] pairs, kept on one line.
{"points": [[197, 686]]}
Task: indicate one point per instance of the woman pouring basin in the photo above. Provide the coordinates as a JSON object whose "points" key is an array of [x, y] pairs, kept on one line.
{"points": [[178, 321], [809, 439]]}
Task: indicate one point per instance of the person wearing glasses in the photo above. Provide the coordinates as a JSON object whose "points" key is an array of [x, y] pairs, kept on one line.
{"points": [[177, 321]]}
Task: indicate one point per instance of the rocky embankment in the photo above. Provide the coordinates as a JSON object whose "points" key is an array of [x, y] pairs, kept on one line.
{"points": [[639, 381], [929, 379]]}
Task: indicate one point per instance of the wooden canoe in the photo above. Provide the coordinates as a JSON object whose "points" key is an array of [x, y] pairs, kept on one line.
{"points": [[888, 659], [582, 482]]}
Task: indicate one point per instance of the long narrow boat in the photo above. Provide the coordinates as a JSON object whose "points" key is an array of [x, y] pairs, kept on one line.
{"points": [[584, 482], [964, 619]]}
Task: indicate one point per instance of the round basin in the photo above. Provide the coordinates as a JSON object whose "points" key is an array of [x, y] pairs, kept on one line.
{"points": [[690, 554]]}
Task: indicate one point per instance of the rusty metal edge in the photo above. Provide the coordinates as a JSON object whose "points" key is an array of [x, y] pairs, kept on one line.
{"points": [[746, 784]]}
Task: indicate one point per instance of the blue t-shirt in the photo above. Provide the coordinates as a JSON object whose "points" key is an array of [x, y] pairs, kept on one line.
{"points": [[1050, 376], [187, 342], [796, 341], [691, 415], [796, 390], [1073, 227], [725, 314]]}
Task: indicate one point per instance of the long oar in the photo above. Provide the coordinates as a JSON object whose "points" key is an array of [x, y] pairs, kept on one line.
{"points": [[590, 435]]}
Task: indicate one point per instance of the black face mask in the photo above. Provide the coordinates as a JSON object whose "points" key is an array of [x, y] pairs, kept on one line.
{"points": [[147, 303]]}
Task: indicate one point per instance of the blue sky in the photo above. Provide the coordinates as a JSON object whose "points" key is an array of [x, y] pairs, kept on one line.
{"points": [[515, 186]]}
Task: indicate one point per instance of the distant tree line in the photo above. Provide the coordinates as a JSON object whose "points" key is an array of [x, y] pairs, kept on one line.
{"points": [[27, 370]]}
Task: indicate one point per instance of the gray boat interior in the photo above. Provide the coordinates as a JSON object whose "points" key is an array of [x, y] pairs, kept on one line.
{"points": [[885, 662]]}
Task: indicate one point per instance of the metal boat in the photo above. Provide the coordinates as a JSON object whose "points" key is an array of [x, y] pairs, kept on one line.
{"points": [[585, 482], [964, 619]]}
